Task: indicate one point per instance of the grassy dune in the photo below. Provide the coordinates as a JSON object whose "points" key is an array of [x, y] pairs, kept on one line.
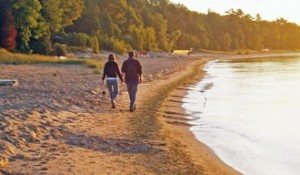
{"points": [[16, 58]]}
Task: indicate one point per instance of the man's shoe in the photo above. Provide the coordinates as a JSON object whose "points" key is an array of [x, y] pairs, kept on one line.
{"points": [[132, 108]]}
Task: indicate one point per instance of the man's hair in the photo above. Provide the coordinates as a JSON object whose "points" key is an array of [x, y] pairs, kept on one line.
{"points": [[131, 54]]}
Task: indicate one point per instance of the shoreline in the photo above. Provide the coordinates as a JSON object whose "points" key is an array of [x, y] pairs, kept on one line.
{"points": [[176, 123], [264, 63], [200, 152]]}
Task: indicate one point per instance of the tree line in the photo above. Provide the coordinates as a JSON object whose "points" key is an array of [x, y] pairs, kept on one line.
{"points": [[36, 22], [121, 25]]}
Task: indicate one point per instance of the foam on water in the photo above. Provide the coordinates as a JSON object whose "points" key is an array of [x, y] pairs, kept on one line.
{"points": [[249, 114]]}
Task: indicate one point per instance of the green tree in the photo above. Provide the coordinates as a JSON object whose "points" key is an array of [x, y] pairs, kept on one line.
{"points": [[60, 49], [161, 28], [150, 42], [60, 13], [72, 10], [225, 41], [53, 14], [235, 28], [95, 45], [89, 21], [162, 25], [135, 38], [28, 21]]}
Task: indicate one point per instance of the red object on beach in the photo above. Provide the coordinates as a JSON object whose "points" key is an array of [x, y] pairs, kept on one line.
{"points": [[143, 52]]}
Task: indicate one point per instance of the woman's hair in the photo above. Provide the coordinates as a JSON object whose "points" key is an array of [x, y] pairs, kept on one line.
{"points": [[111, 57]]}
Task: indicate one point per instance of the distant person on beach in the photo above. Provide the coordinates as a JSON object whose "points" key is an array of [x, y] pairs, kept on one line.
{"points": [[133, 76], [111, 70]]}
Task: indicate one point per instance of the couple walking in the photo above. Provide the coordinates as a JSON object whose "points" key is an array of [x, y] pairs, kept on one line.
{"points": [[131, 71]]}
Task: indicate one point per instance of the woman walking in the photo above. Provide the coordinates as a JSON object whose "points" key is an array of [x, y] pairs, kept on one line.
{"points": [[111, 70]]}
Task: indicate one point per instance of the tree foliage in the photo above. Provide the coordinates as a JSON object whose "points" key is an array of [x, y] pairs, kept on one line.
{"points": [[162, 25], [7, 28], [36, 21], [159, 25]]}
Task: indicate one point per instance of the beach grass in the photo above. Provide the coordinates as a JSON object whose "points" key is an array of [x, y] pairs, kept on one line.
{"points": [[237, 52], [7, 57], [214, 51]]}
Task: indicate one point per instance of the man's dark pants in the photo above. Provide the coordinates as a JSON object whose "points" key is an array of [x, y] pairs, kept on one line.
{"points": [[132, 89]]}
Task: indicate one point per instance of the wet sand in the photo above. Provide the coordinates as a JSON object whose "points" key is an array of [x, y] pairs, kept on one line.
{"points": [[58, 121]]}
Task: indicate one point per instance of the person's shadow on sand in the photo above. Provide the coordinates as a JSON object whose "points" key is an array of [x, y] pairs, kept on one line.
{"points": [[113, 145]]}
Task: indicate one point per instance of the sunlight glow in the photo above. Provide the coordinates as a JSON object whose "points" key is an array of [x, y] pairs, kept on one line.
{"points": [[268, 9]]}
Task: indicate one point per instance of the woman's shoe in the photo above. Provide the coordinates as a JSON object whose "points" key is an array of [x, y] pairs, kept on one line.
{"points": [[113, 104]]}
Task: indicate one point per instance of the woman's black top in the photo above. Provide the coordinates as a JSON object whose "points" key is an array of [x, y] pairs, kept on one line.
{"points": [[111, 69]]}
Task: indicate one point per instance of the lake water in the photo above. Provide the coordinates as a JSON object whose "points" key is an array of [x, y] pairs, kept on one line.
{"points": [[248, 113]]}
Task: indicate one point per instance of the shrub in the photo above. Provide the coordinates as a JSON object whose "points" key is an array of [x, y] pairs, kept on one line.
{"points": [[60, 49]]}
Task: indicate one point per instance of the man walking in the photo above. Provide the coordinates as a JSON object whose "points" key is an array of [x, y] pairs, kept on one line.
{"points": [[133, 76]]}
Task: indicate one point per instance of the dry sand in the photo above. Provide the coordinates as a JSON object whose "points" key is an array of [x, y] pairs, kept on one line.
{"points": [[58, 121]]}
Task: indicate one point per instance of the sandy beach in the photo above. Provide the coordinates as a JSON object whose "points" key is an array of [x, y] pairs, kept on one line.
{"points": [[59, 121]]}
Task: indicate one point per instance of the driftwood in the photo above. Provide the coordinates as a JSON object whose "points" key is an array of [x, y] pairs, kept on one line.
{"points": [[7, 82]]}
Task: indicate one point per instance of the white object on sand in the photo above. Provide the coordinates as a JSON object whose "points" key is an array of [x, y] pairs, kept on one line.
{"points": [[4, 82]]}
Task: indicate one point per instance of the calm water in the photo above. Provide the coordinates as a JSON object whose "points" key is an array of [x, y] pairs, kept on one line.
{"points": [[249, 114]]}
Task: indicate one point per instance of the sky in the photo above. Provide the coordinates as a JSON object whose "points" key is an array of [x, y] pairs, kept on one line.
{"points": [[268, 9]]}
